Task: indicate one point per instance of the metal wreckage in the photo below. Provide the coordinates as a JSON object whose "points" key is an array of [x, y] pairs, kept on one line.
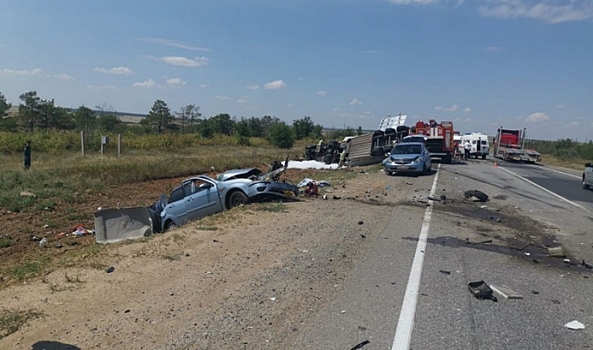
{"points": [[195, 198]]}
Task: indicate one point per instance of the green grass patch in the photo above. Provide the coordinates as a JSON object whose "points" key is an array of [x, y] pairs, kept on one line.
{"points": [[176, 237], [274, 207], [173, 257], [12, 320], [28, 269], [207, 228], [6, 242], [45, 205]]}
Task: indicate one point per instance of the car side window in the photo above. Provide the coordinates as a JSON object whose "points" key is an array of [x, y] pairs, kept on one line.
{"points": [[177, 194], [473, 142]]}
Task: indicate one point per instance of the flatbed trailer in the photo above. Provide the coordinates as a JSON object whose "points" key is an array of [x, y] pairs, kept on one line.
{"points": [[509, 146]]}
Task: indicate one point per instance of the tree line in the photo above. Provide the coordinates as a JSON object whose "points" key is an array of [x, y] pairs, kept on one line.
{"points": [[37, 114]]}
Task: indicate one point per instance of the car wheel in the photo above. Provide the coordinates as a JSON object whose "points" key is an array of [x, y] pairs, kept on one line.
{"points": [[388, 172], [585, 186], [170, 225], [427, 169], [236, 199]]}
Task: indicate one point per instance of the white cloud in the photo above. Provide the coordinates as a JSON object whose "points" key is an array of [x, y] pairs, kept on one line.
{"points": [[115, 70], [467, 109], [100, 87], [181, 61], [573, 124], [561, 106], [335, 109], [493, 48], [290, 105], [64, 77], [537, 118], [253, 87], [172, 43], [322, 93], [301, 78], [447, 109], [275, 85], [550, 11], [204, 86], [21, 73], [175, 82], [222, 97], [243, 99], [146, 84], [355, 101]]}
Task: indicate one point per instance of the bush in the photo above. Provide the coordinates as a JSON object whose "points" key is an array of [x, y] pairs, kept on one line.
{"points": [[281, 135]]}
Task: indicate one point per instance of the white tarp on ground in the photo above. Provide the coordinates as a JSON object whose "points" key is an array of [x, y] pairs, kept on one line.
{"points": [[114, 225], [310, 164]]}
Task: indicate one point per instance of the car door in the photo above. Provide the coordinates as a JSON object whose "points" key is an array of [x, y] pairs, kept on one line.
{"points": [[589, 175], [203, 199], [176, 209]]}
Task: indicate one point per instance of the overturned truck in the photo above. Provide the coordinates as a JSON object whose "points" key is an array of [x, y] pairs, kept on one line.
{"points": [[194, 198]]}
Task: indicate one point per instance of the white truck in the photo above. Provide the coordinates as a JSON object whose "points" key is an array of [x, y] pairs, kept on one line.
{"points": [[480, 147]]}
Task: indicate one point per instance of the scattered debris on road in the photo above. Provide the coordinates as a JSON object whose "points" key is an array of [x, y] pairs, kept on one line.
{"points": [[476, 196], [445, 272], [506, 292], [585, 264], [574, 325], [360, 345], [481, 291], [110, 270]]}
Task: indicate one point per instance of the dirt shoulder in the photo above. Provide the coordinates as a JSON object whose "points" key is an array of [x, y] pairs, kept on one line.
{"points": [[249, 278]]}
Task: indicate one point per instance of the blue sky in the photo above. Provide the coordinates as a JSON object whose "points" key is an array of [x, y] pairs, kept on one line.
{"points": [[478, 63]]}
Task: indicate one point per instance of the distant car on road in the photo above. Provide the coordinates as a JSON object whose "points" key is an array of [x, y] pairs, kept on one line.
{"points": [[588, 176], [408, 157], [414, 138]]}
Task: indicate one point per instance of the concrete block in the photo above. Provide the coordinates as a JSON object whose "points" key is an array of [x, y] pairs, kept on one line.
{"points": [[506, 292]]}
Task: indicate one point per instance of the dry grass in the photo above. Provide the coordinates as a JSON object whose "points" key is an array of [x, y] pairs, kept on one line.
{"points": [[576, 164], [12, 320]]}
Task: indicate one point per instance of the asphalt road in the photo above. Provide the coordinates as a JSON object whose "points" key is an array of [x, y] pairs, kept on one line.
{"points": [[428, 279]]}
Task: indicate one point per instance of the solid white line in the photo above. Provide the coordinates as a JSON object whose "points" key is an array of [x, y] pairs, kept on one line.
{"points": [[403, 333], [548, 191]]}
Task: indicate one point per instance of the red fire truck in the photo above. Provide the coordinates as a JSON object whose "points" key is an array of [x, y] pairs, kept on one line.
{"points": [[439, 140]]}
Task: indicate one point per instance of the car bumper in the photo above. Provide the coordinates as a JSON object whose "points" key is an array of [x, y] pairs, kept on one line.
{"points": [[405, 168]]}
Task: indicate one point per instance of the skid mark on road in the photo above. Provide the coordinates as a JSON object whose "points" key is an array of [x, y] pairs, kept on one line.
{"points": [[405, 324], [548, 191]]}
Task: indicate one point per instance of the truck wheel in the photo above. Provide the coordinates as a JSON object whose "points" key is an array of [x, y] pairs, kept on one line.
{"points": [[585, 186], [236, 198]]}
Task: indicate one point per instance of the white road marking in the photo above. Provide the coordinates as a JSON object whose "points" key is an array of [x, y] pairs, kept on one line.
{"points": [[548, 191], [405, 325]]}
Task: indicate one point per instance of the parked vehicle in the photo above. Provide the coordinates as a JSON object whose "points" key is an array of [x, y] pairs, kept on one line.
{"points": [[408, 157], [199, 196], [509, 146], [588, 176], [415, 138], [480, 146], [439, 138]]}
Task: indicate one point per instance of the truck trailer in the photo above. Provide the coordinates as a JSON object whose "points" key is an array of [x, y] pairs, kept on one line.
{"points": [[509, 146]]}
